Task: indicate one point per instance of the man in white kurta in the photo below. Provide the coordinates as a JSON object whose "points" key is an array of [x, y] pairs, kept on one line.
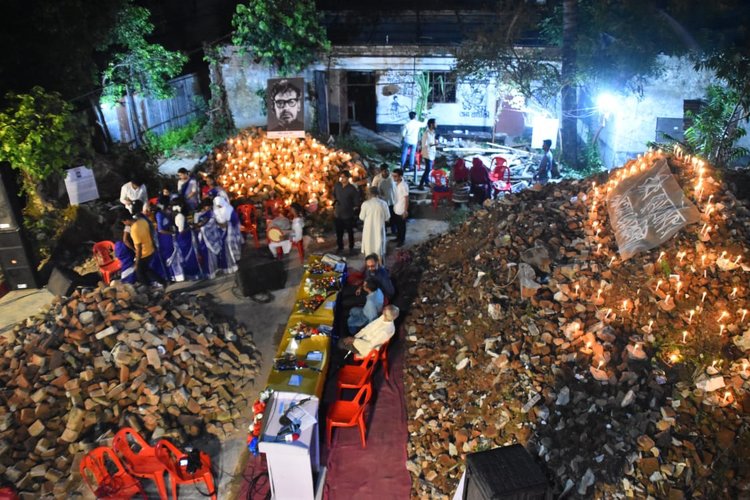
{"points": [[374, 335], [374, 212]]}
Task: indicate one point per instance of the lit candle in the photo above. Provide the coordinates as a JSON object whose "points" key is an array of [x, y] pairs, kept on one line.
{"points": [[734, 292], [599, 248], [727, 395], [598, 294], [679, 286], [704, 296], [611, 261], [737, 260], [661, 256], [721, 329], [650, 325], [744, 313], [684, 336], [690, 318], [674, 357], [625, 305], [681, 255], [599, 366], [723, 315], [658, 284], [703, 261]]}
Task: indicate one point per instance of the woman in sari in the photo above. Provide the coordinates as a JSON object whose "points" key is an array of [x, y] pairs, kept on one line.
{"points": [[210, 239], [168, 251], [229, 224], [125, 254], [187, 243]]}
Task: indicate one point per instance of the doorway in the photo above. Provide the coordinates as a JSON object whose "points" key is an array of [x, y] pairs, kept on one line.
{"points": [[362, 100]]}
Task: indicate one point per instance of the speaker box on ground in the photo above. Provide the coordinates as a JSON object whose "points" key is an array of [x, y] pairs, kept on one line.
{"points": [[10, 203], [62, 281], [15, 261], [508, 472], [260, 274]]}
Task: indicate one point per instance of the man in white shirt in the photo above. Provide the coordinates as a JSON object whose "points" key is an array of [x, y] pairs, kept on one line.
{"points": [[429, 151], [410, 134], [400, 206], [374, 335], [131, 191], [387, 190]]}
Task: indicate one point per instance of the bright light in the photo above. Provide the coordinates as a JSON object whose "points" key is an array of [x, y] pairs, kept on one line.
{"points": [[607, 103]]}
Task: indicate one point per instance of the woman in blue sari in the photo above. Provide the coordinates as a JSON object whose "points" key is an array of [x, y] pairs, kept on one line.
{"points": [[229, 224], [168, 251], [210, 239], [187, 242]]}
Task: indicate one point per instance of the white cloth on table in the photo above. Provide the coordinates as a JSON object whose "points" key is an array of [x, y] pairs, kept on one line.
{"points": [[374, 212]]}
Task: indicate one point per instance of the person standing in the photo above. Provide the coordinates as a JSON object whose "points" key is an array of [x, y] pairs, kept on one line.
{"points": [[131, 191], [144, 247], [346, 198], [546, 162], [400, 206], [387, 189], [410, 135], [429, 151], [188, 189], [375, 214]]}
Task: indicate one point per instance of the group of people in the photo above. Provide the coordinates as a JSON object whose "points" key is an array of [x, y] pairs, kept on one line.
{"points": [[369, 318], [387, 204], [192, 233]]}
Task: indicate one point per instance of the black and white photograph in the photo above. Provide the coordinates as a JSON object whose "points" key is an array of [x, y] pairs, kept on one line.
{"points": [[286, 107]]}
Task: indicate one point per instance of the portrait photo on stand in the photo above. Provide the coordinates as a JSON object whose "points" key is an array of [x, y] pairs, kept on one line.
{"points": [[286, 107]]}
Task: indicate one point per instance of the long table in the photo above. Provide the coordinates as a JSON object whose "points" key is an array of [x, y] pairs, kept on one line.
{"points": [[292, 464]]}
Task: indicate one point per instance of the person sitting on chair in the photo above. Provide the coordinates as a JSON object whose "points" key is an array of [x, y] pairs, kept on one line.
{"points": [[480, 181], [361, 316], [374, 335], [288, 234]]}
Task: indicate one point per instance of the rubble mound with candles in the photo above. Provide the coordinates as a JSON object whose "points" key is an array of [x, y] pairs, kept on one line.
{"points": [[623, 378], [112, 357], [293, 170]]}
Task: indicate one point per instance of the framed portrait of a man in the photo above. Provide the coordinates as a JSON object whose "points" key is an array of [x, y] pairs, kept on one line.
{"points": [[286, 107]]}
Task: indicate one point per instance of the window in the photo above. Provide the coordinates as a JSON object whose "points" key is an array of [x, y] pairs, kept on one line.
{"points": [[443, 86]]}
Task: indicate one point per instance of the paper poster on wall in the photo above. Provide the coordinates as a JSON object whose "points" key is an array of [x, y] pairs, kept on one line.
{"points": [[544, 128], [286, 107], [81, 185], [647, 209]]}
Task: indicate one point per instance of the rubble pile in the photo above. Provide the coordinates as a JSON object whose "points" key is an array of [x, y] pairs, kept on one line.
{"points": [[623, 378], [111, 357]]}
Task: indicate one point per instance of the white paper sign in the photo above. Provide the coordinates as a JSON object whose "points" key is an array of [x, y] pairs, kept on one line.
{"points": [[81, 185]]}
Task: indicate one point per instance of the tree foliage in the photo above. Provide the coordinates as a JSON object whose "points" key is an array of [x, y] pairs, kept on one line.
{"points": [[138, 66], [715, 129], [37, 133], [284, 33]]}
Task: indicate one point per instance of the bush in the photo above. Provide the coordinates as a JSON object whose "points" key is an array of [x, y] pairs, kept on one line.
{"points": [[353, 143], [172, 140]]}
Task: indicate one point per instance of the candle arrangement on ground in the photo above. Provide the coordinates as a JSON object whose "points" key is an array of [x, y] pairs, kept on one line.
{"points": [[293, 170], [625, 376]]}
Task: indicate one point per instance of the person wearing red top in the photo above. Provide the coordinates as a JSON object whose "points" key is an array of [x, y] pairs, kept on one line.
{"points": [[480, 181]]}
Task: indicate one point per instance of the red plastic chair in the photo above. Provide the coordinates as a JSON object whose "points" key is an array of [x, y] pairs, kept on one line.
{"points": [[142, 463], [104, 253], [349, 414], [354, 376], [172, 457], [300, 246], [153, 201], [382, 357], [248, 220], [96, 469], [500, 176], [440, 189]]}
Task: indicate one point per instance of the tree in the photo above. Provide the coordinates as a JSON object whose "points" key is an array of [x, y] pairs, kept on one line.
{"points": [[284, 33], [37, 133], [138, 67]]}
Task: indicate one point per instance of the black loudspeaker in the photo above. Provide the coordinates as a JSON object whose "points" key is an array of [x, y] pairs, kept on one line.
{"points": [[16, 262], [508, 472], [257, 275], [10, 205], [62, 281]]}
